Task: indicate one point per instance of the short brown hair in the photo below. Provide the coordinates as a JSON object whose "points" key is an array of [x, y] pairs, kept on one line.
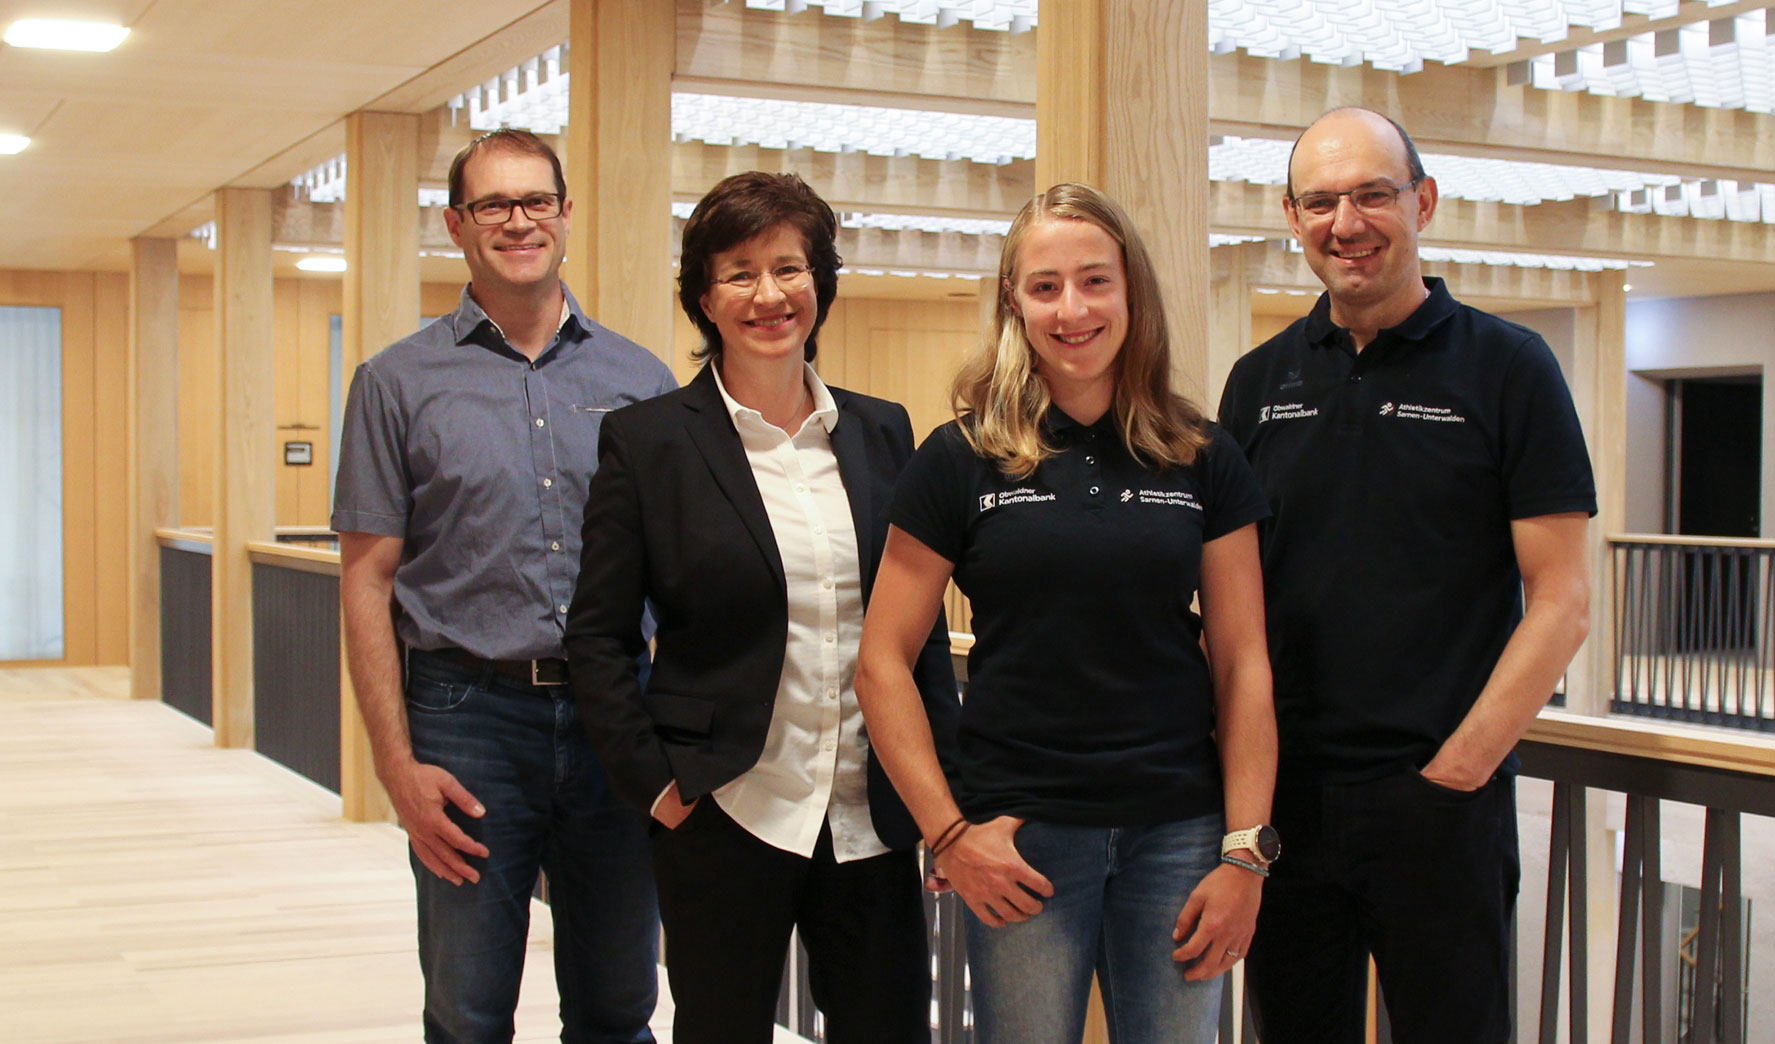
{"points": [[743, 206], [508, 139]]}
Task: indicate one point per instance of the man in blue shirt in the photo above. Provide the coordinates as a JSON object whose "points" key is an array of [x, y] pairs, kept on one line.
{"points": [[463, 469]]}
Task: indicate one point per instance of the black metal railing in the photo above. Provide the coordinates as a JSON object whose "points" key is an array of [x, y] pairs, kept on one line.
{"points": [[1695, 630]]}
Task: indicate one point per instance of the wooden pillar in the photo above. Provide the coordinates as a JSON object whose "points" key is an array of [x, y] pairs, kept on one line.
{"points": [[246, 476], [1599, 390], [381, 307], [154, 432], [1122, 103], [619, 166], [1229, 314]]}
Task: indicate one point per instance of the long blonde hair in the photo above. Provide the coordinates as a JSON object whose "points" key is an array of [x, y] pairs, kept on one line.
{"points": [[1001, 400]]}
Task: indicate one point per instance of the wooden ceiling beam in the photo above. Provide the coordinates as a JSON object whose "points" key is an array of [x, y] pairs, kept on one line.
{"points": [[1631, 25]]}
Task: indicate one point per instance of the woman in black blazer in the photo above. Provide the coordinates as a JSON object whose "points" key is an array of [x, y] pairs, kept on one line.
{"points": [[748, 510]]}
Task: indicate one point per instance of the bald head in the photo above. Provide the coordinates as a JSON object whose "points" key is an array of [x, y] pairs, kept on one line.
{"points": [[1342, 124]]}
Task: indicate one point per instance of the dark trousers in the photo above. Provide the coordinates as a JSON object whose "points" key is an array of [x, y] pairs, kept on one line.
{"points": [[1423, 878], [728, 902], [523, 752]]}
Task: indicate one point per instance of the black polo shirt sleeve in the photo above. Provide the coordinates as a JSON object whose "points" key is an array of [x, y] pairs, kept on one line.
{"points": [[1234, 498], [933, 494], [1545, 465]]}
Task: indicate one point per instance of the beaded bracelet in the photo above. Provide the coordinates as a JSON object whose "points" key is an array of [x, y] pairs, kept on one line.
{"points": [[1261, 871]]}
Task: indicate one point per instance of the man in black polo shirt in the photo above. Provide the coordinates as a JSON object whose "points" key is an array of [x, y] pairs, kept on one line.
{"points": [[1429, 482]]}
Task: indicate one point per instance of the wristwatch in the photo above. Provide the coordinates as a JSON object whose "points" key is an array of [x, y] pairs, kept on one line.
{"points": [[1262, 841]]}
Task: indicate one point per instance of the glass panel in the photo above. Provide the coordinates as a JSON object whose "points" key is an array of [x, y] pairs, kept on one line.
{"points": [[31, 484]]}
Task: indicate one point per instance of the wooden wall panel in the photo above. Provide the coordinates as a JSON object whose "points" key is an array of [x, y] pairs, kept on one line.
{"points": [[197, 401], [111, 466], [79, 555], [907, 351], [304, 311]]}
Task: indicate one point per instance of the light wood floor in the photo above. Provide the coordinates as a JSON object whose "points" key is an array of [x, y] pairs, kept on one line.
{"points": [[157, 890]]}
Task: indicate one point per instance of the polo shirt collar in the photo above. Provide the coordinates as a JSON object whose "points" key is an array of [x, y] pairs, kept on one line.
{"points": [[472, 325], [1439, 305], [1061, 425], [825, 408]]}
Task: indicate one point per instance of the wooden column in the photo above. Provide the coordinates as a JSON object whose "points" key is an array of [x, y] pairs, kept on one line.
{"points": [[1229, 314], [1599, 390], [246, 477], [1122, 103], [619, 166], [154, 434], [381, 307]]}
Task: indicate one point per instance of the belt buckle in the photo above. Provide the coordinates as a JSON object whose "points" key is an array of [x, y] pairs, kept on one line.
{"points": [[557, 676], [536, 674]]}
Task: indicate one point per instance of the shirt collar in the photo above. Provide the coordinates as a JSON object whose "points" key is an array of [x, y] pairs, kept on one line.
{"points": [[1436, 307], [825, 409], [1061, 425], [472, 325]]}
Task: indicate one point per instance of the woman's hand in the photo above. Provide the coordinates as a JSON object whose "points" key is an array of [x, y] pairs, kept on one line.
{"points": [[1218, 921], [669, 810], [985, 869]]}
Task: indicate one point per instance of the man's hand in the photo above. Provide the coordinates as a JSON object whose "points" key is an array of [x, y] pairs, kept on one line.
{"points": [[419, 793], [670, 810], [986, 870], [1218, 921], [1466, 782]]}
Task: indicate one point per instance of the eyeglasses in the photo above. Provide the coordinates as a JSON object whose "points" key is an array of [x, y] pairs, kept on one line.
{"points": [[538, 206], [1369, 199], [787, 277]]}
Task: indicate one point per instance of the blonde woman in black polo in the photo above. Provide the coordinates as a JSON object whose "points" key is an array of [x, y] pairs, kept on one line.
{"points": [[1082, 504]]}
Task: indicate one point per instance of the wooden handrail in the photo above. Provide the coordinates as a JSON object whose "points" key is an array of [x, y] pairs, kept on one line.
{"points": [[1731, 750], [192, 539], [1689, 541], [294, 556]]}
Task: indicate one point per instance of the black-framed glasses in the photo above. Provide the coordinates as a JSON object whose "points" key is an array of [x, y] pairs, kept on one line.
{"points": [[787, 277], [1369, 199], [537, 206]]}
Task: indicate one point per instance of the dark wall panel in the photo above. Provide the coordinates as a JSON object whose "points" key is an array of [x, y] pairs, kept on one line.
{"points": [[185, 632], [296, 670]]}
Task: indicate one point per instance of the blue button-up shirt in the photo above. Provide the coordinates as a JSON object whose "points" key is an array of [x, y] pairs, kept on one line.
{"points": [[479, 459]]}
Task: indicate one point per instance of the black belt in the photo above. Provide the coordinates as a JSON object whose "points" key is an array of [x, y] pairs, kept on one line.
{"points": [[528, 672]]}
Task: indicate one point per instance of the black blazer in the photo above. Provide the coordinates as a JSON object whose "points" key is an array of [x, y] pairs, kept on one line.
{"points": [[674, 520]]}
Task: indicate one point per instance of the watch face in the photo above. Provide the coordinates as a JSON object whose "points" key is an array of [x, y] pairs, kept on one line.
{"points": [[1269, 843]]}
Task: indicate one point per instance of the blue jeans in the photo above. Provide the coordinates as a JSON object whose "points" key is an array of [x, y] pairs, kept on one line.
{"points": [[1117, 894], [524, 754]]}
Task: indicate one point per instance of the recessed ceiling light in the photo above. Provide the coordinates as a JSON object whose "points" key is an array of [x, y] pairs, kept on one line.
{"points": [[63, 34], [13, 144], [322, 263]]}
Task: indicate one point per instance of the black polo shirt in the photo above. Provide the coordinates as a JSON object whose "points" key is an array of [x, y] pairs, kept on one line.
{"points": [[1089, 700], [1390, 577]]}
